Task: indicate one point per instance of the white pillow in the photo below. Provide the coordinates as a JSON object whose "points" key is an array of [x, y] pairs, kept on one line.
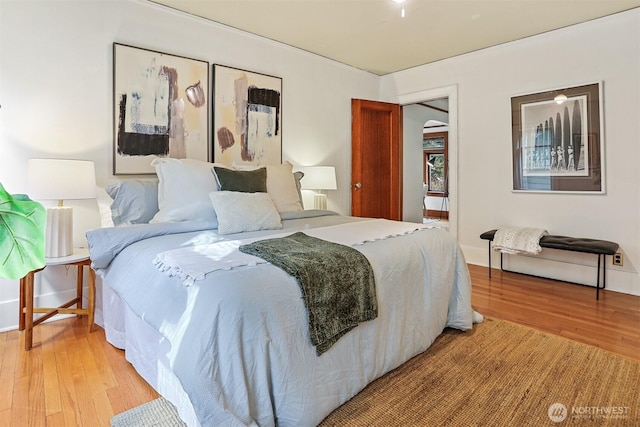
{"points": [[104, 207], [239, 212], [183, 190], [281, 186]]}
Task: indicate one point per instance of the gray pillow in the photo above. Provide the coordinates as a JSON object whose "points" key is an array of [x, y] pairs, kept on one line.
{"points": [[253, 181], [134, 202]]}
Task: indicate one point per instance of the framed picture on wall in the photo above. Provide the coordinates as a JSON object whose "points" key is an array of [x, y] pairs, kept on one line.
{"points": [[557, 140], [247, 117], [160, 108]]}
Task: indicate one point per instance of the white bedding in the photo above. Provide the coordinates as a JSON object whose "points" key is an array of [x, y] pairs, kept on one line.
{"points": [[194, 262], [234, 348]]}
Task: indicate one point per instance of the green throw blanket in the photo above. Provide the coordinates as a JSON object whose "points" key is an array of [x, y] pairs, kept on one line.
{"points": [[337, 283]]}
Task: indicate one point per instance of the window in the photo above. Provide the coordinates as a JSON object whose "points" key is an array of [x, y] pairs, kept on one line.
{"points": [[435, 161]]}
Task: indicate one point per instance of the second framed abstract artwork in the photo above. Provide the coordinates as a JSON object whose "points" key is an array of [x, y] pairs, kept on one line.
{"points": [[247, 117]]}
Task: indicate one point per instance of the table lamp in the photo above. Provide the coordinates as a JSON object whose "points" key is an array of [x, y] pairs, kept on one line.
{"points": [[57, 179], [319, 178]]}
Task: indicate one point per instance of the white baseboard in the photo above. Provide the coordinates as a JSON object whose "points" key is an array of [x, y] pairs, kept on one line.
{"points": [[560, 265]]}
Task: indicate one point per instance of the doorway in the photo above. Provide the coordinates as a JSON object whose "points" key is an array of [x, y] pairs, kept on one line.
{"points": [[413, 189]]}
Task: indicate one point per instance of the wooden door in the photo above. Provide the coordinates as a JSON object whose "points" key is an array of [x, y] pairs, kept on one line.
{"points": [[376, 159]]}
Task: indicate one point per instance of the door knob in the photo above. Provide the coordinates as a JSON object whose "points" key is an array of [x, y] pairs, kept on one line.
{"points": [[357, 185]]}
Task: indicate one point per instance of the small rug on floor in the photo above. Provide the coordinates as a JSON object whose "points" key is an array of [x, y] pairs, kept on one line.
{"points": [[498, 374], [157, 413]]}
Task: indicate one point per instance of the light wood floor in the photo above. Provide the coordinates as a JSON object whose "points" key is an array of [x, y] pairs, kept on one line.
{"points": [[571, 311], [73, 378]]}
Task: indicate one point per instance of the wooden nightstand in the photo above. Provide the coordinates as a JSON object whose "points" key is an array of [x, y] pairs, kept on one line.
{"points": [[79, 258]]}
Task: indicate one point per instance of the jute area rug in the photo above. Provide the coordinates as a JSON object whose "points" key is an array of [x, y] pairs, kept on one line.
{"points": [[499, 374]]}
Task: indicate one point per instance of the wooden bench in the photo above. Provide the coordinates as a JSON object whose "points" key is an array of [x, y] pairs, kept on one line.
{"points": [[602, 248]]}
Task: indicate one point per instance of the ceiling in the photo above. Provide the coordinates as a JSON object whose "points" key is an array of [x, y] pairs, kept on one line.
{"points": [[372, 35]]}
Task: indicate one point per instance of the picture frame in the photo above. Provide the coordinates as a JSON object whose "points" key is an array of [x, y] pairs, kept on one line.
{"points": [[160, 108], [247, 117], [557, 140]]}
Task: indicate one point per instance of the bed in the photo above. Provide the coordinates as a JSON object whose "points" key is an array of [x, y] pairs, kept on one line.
{"points": [[229, 344]]}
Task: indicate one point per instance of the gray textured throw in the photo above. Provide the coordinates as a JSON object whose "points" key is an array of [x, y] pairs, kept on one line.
{"points": [[337, 283]]}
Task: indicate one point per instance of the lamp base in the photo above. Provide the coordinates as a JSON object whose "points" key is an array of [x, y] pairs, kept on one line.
{"points": [[320, 201], [59, 234]]}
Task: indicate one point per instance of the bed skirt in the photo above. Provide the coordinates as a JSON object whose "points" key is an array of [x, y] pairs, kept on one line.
{"points": [[143, 345]]}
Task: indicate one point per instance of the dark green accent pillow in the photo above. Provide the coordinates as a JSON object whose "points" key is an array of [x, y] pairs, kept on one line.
{"points": [[254, 181]]}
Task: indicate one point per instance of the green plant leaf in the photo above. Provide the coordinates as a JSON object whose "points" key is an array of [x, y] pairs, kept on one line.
{"points": [[22, 235]]}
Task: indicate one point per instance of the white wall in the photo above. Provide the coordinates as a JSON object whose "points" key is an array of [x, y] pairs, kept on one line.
{"points": [[605, 50], [56, 96], [413, 119]]}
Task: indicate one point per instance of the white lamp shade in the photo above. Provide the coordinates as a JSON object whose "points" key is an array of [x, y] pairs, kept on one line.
{"points": [[57, 179], [318, 178]]}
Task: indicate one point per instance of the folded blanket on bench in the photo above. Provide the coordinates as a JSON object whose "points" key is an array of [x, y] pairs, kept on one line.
{"points": [[337, 282], [518, 240]]}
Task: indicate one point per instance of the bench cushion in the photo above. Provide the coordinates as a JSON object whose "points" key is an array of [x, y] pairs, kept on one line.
{"points": [[578, 244], [575, 244]]}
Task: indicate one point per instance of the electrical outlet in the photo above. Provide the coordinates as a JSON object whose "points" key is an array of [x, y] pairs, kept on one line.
{"points": [[618, 259]]}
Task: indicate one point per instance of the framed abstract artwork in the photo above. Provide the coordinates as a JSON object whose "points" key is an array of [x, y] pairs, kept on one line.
{"points": [[557, 140], [160, 109], [247, 117]]}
